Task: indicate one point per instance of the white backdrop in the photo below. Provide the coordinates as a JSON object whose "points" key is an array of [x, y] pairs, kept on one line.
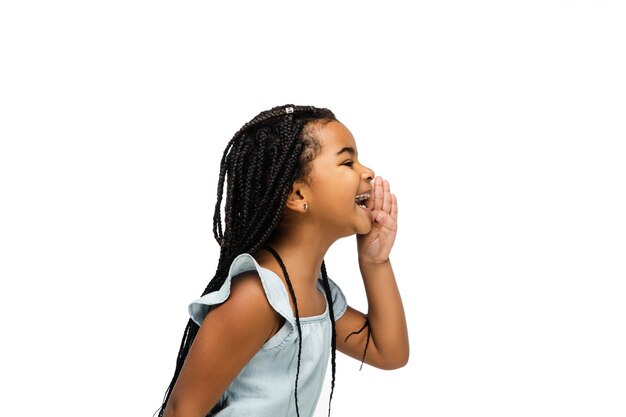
{"points": [[500, 126]]}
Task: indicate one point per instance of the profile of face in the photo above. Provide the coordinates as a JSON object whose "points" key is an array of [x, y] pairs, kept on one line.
{"points": [[336, 178]]}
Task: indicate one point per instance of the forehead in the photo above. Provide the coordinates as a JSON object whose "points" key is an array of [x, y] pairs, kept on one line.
{"points": [[335, 137]]}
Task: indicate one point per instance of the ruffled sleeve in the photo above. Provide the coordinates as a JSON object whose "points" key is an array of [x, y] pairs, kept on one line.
{"points": [[245, 262]]}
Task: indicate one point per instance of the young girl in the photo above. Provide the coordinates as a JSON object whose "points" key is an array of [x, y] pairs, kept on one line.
{"points": [[259, 338]]}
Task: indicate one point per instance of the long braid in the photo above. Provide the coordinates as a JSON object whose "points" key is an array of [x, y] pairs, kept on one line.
{"points": [[277, 148], [217, 226], [248, 203], [333, 340], [295, 305], [366, 324]]}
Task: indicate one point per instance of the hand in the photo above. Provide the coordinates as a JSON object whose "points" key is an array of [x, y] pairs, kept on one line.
{"points": [[376, 245]]}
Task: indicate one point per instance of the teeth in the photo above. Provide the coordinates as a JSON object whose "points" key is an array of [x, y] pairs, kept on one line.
{"points": [[362, 197]]}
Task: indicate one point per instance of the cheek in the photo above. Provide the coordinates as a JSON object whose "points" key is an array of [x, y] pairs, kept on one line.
{"points": [[334, 188]]}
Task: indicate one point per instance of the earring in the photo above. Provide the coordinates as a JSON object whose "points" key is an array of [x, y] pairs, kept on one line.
{"points": [[306, 206]]}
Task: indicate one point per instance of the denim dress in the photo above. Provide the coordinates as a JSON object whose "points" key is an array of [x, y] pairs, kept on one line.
{"points": [[265, 386]]}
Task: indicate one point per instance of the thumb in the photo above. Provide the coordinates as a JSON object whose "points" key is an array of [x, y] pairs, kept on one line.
{"points": [[377, 216]]}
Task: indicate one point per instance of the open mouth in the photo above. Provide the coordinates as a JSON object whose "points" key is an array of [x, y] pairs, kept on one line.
{"points": [[361, 199]]}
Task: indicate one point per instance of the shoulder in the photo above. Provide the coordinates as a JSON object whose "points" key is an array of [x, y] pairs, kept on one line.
{"points": [[247, 288], [247, 306], [247, 283]]}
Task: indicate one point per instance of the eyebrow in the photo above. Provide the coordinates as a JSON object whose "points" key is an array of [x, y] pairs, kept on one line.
{"points": [[348, 149]]}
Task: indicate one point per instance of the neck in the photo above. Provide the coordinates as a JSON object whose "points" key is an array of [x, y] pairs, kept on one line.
{"points": [[302, 250]]}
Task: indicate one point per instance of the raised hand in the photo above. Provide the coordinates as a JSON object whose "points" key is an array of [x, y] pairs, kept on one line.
{"points": [[376, 245]]}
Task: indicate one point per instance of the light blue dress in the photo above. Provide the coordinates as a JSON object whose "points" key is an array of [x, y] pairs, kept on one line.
{"points": [[265, 386]]}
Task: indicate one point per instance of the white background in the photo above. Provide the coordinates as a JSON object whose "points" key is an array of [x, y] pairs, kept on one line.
{"points": [[500, 126]]}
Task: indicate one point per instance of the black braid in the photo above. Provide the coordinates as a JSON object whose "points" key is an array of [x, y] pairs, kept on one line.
{"points": [[333, 340], [217, 226], [259, 165], [367, 342], [295, 305]]}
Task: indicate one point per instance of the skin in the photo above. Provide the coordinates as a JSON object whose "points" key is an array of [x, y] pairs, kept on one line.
{"points": [[302, 239]]}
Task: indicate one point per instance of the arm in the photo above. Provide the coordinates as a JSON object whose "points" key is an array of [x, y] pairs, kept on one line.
{"points": [[230, 335], [389, 346]]}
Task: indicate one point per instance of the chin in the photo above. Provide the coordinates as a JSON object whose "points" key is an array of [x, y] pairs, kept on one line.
{"points": [[364, 230]]}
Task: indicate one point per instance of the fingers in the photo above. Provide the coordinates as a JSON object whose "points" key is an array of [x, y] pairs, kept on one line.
{"points": [[386, 197], [394, 207], [369, 203], [378, 193], [383, 199], [382, 196]]}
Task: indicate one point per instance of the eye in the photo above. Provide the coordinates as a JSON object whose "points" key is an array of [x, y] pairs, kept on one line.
{"points": [[348, 163]]}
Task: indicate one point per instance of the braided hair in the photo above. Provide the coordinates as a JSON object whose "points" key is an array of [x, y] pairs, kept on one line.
{"points": [[262, 160]]}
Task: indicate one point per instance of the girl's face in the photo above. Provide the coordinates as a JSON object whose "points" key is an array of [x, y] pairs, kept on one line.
{"points": [[336, 178]]}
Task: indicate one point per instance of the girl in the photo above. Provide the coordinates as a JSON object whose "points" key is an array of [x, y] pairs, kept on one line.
{"points": [[259, 338]]}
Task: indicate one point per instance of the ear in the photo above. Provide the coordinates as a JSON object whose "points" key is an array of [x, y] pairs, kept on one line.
{"points": [[297, 197]]}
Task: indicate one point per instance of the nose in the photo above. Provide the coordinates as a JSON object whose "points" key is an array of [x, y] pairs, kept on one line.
{"points": [[368, 174]]}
